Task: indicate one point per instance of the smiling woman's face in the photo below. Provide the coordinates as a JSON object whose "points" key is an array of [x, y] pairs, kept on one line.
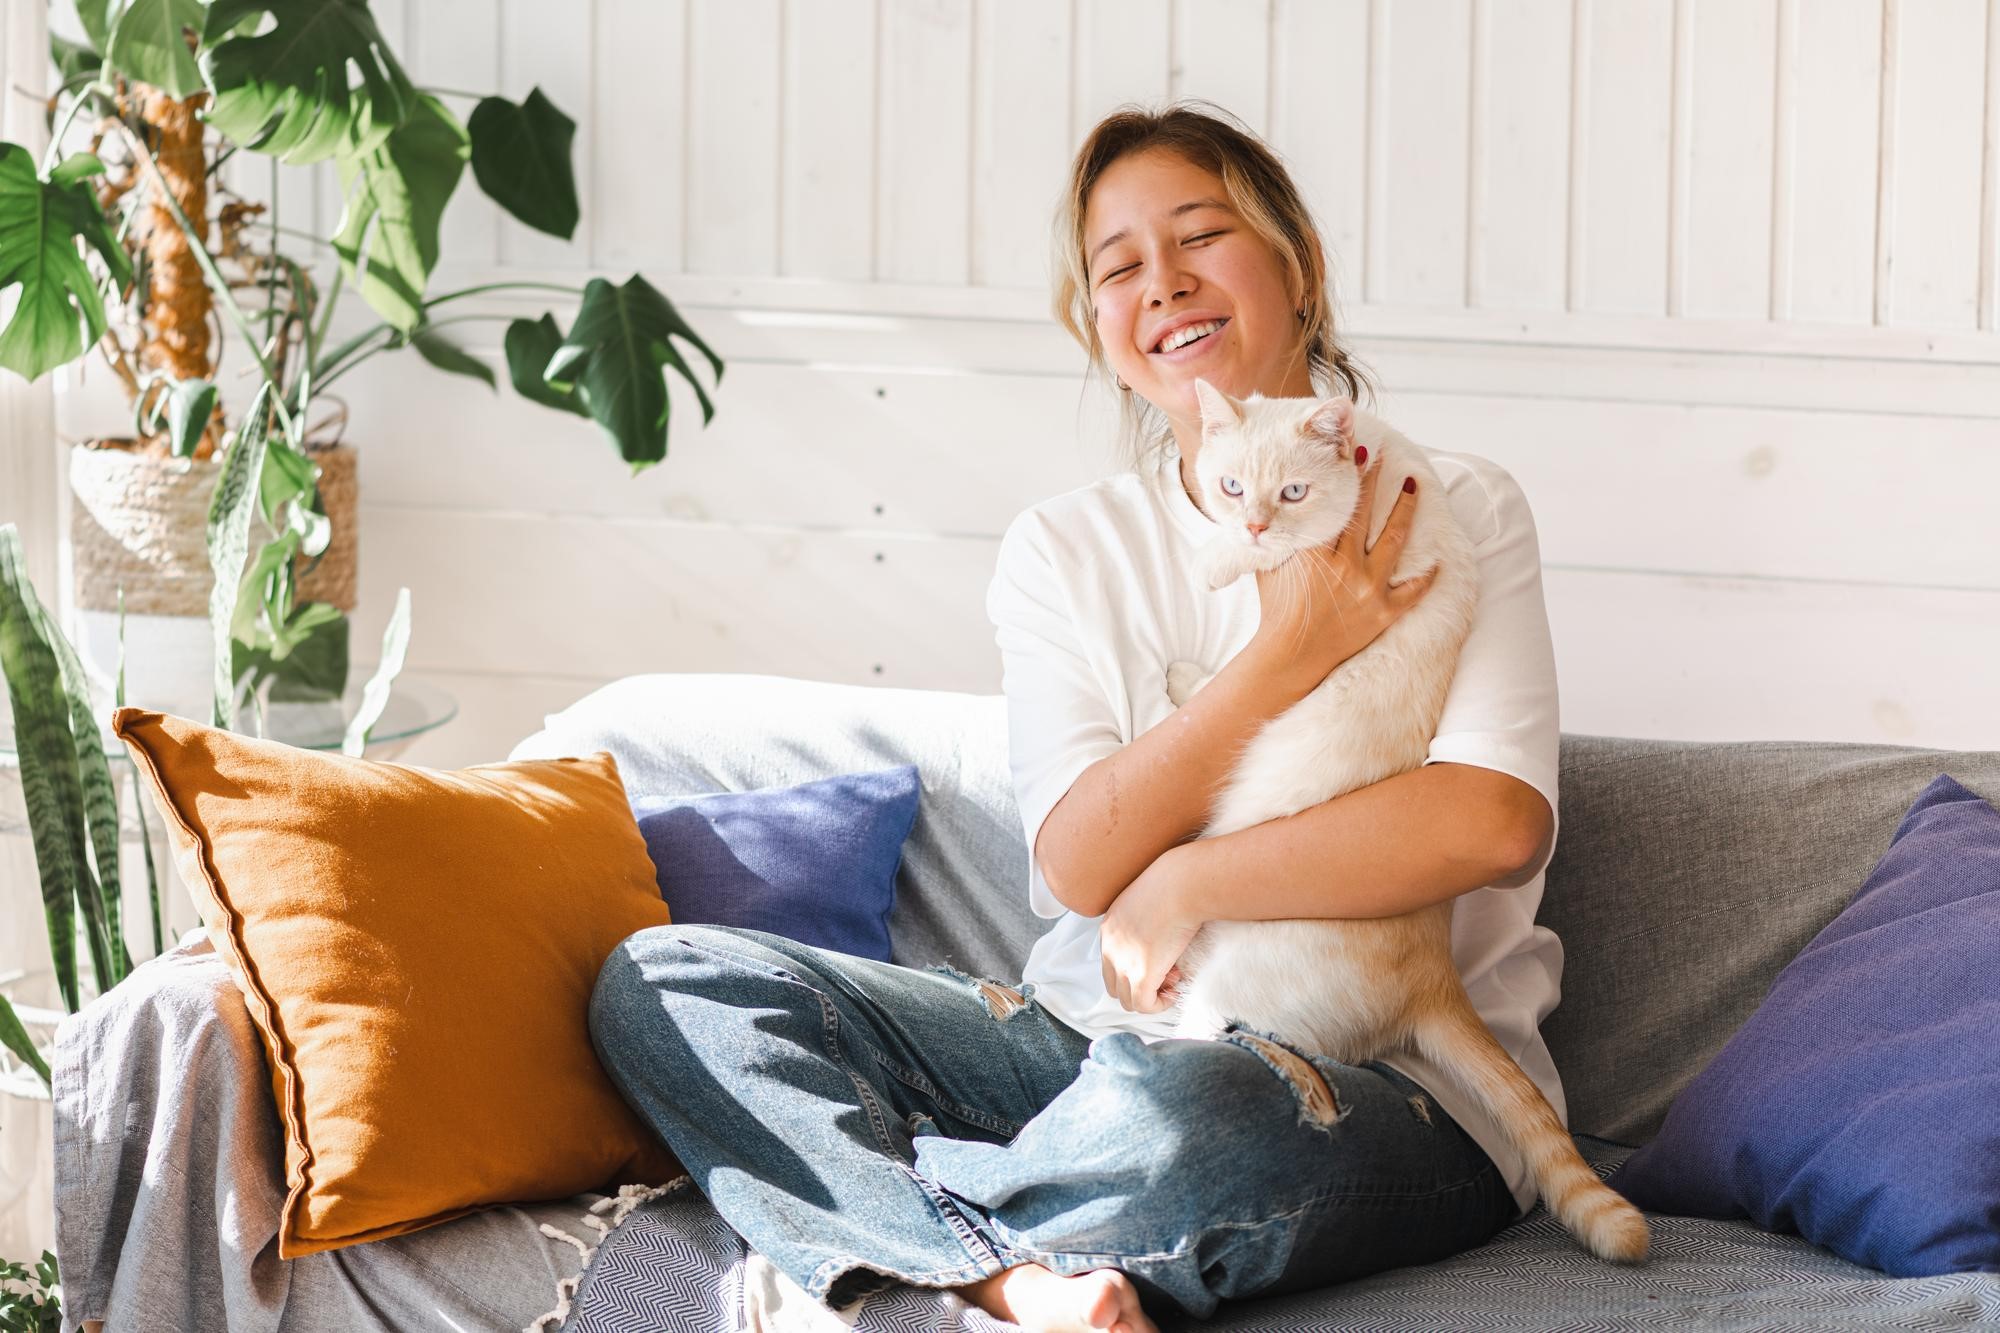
{"points": [[1156, 264]]}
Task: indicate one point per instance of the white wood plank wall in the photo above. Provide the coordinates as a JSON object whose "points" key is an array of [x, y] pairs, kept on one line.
{"points": [[1717, 280]]}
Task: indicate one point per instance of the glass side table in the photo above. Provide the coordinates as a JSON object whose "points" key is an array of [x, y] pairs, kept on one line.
{"points": [[416, 707]]}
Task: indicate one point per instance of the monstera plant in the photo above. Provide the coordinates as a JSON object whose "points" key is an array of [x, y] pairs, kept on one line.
{"points": [[125, 241]]}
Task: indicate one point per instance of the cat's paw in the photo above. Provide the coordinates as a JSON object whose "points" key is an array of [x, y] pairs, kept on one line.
{"points": [[1220, 563], [1183, 680]]}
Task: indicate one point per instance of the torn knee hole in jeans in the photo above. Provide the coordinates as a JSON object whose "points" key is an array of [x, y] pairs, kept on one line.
{"points": [[1317, 1105], [1001, 1001]]}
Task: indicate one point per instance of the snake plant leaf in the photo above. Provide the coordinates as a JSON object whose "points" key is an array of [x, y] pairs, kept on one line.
{"points": [[290, 90], [15, 1038], [615, 356], [375, 695], [395, 201], [145, 43], [230, 510], [41, 222], [51, 784], [448, 356], [530, 344], [521, 159], [100, 795]]}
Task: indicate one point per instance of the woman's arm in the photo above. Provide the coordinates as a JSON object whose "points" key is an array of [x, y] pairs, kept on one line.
{"points": [[1154, 794], [1394, 846], [1127, 808]]}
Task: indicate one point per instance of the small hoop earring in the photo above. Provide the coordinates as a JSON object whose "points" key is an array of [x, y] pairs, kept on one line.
{"points": [[1122, 385], [1302, 312]]}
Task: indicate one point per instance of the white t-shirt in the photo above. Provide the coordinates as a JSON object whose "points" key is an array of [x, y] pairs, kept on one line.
{"points": [[1094, 596]]}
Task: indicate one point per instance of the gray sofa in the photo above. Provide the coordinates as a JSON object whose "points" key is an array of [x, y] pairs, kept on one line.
{"points": [[1686, 876]]}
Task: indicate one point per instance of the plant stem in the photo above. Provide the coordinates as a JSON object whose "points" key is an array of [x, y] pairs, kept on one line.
{"points": [[454, 92], [499, 286], [271, 288], [62, 130], [333, 375]]}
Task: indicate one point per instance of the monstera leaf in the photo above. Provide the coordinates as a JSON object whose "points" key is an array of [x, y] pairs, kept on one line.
{"points": [[145, 43], [40, 224], [273, 92], [520, 157], [395, 200], [530, 345], [614, 357]]}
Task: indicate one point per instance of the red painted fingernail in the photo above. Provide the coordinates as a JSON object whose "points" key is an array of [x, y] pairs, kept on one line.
{"points": [[1409, 485], [1361, 456]]}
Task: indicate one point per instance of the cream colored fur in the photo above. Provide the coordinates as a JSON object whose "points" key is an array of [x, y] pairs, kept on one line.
{"points": [[1376, 985]]}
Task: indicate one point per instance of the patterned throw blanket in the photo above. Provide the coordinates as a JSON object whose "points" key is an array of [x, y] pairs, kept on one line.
{"points": [[673, 1266]]}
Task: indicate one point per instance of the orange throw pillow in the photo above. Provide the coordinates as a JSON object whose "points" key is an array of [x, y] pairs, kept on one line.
{"points": [[417, 949]]}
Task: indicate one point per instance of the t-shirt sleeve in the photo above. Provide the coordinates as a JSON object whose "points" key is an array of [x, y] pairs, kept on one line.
{"points": [[1059, 720], [1501, 710]]}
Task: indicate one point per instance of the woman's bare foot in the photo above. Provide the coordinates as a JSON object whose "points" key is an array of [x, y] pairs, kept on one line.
{"points": [[1043, 1301]]}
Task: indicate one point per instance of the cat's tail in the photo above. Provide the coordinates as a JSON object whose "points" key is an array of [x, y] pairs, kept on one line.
{"points": [[1598, 1216]]}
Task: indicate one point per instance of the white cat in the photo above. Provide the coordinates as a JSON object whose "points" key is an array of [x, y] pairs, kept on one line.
{"points": [[1278, 477]]}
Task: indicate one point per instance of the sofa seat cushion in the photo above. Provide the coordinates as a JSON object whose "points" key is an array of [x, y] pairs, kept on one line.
{"points": [[673, 1265]]}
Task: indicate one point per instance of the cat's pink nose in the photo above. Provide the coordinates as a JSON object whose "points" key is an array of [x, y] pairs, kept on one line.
{"points": [[1256, 528]]}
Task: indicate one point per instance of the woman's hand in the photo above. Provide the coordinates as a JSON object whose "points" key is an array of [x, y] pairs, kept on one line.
{"points": [[1326, 604], [1143, 934]]}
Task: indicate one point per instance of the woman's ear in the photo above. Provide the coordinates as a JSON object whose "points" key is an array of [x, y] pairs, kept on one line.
{"points": [[1218, 409], [1331, 423]]}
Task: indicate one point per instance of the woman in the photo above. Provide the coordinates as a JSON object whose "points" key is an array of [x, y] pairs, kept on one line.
{"points": [[1042, 1149]]}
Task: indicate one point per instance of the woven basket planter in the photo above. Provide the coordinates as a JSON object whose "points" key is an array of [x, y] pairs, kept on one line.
{"points": [[141, 523]]}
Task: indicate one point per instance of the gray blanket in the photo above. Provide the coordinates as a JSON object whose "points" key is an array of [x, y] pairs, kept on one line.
{"points": [[170, 1166]]}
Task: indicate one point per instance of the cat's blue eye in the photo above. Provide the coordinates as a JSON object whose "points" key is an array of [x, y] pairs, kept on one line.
{"points": [[1295, 491], [1231, 486]]}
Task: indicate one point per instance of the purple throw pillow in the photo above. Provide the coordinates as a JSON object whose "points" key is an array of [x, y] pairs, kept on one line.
{"points": [[1859, 1107], [815, 863]]}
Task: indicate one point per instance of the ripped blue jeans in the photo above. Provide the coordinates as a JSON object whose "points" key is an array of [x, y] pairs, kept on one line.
{"points": [[860, 1123]]}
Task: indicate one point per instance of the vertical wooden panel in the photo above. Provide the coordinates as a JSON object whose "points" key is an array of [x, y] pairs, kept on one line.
{"points": [[828, 182], [924, 230], [1939, 124], [734, 112], [30, 467], [1222, 55], [1989, 229], [1833, 120], [1121, 56], [1730, 122], [456, 44], [550, 47], [635, 215], [1520, 169], [1021, 144], [1417, 256], [1619, 260], [1319, 121]]}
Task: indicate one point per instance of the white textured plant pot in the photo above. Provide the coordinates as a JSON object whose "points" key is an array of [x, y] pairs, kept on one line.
{"points": [[140, 523]]}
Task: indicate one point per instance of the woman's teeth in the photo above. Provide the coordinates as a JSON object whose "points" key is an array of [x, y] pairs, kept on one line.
{"points": [[1183, 336]]}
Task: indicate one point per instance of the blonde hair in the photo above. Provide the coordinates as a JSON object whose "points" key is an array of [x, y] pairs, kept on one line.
{"points": [[1260, 190]]}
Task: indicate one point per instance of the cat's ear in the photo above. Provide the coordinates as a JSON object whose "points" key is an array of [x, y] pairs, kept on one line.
{"points": [[1218, 410], [1332, 423]]}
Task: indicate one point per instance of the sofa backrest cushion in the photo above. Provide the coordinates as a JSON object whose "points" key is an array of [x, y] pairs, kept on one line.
{"points": [[962, 891], [1687, 875]]}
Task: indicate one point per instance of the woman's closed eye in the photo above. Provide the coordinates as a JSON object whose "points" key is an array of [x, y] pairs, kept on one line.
{"points": [[1127, 268]]}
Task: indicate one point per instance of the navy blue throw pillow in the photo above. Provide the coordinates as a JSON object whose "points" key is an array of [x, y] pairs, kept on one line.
{"points": [[1859, 1107], [815, 863]]}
